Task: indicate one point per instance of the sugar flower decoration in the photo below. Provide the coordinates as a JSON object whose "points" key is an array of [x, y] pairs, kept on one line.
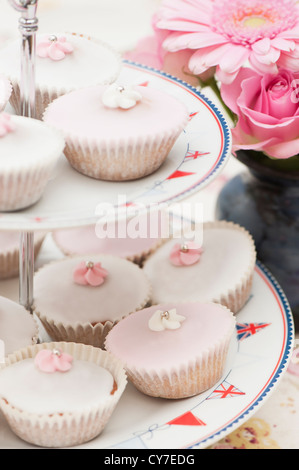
{"points": [[6, 125], [89, 274], [53, 361], [230, 33], [185, 254], [117, 96], [54, 48], [168, 320]]}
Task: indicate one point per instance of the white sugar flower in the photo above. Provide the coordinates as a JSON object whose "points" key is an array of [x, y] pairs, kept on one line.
{"points": [[117, 96]]}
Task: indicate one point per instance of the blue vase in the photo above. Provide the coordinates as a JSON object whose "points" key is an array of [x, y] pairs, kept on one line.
{"points": [[266, 202]]}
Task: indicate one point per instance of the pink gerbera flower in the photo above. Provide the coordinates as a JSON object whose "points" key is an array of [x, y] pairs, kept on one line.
{"points": [[230, 33]]}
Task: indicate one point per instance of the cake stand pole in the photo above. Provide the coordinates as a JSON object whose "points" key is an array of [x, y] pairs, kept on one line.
{"points": [[28, 26]]}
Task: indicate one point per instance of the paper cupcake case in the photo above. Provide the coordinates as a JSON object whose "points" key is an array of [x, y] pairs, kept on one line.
{"points": [[119, 161], [185, 381], [5, 92], [84, 333], [21, 188], [42, 99], [65, 429], [9, 261]]}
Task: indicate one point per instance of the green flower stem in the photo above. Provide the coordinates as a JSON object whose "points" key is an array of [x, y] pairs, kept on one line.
{"points": [[212, 83]]}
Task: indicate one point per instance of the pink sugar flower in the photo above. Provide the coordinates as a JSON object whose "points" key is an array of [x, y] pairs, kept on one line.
{"points": [[90, 274], [6, 125], [185, 254], [53, 361], [231, 33], [54, 47]]}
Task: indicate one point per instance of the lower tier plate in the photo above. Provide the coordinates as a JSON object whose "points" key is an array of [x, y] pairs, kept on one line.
{"points": [[257, 359]]}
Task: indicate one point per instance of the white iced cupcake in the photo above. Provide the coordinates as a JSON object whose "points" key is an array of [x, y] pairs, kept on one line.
{"points": [[29, 151], [69, 392], [220, 269], [81, 298], [10, 252], [174, 350], [18, 327], [117, 133], [64, 62]]}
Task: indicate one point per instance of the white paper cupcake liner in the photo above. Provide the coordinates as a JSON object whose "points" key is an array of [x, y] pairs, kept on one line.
{"points": [[65, 429], [9, 261], [84, 333], [123, 160], [42, 99], [5, 92], [23, 187]]}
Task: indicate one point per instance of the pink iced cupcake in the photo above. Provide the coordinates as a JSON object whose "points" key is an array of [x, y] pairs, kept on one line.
{"points": [[116, 132], [173, 350], [134, 239]]}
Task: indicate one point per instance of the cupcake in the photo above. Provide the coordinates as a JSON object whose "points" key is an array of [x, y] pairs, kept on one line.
{"points": [[134, 239], [10, 250], [117, 133], [5, 92], [81, 298], [174, 350], [64, 62], [220, 269], [29, 151], [18, 328], [69, 392]]}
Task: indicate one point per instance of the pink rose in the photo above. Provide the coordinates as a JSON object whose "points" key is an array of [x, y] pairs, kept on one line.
{"points": [[268, 112]]}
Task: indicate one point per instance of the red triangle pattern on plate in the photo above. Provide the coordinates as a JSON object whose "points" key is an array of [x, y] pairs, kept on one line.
{"points": [[179, 174], [187, 419]]}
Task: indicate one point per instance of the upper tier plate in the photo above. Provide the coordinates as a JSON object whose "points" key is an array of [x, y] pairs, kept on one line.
{"points": [[72, 199]]}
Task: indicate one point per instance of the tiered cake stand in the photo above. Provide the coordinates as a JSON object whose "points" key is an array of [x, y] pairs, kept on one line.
{"points": [[256, 361]]}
